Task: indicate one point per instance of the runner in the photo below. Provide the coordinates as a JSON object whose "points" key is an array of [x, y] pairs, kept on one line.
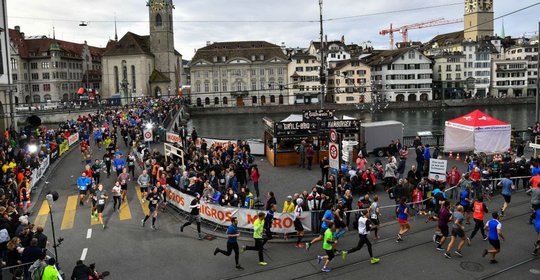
{"points": [[374, 214], [536, 224], [101, 196], [117, 196], [98, 137], [327, 219], [329, 247], [96, 170], [232, 243], [119, 164], [258, 227], [458, 230], [479, 208], [443, 218], [82, 183], [402, 215], [493, 227], [107, 158], [131, 164], [194, 215], [507, 186], [92, 195], [364, 226], [123, 179], [465, 200], [268, 221], [153, 202], [143, 181], [298, 222]]}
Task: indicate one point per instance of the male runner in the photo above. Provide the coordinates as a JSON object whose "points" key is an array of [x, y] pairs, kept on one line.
{"points": [[258, 228], [298, 222], [153, 202], [364, 226], [144, 181], [82, 183], [327, 220], [493, 227], [101, 196], [232, 243], [194, 215]]}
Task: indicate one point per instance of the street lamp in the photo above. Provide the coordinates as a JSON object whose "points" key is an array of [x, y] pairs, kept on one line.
{"points": [[149, 125], [51, 198], [32, 148]]}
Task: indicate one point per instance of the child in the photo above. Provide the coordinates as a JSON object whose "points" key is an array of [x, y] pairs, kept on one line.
{"points": [[417, 201]]}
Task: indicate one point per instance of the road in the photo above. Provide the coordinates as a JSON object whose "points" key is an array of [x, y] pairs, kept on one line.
{"points": [[130, 251]]}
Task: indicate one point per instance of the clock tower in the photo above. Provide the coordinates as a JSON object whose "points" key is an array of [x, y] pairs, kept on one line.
{"points": [[162, 37], [478, 19]]}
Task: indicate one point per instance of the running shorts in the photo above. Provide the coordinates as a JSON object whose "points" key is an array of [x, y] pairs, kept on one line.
{"points": [[495, 243], [123, 187], [403, 222], [507, 198], [83, 192], [444, 231], [457, 232], [100, 208], [298, 225], [330, 254]]}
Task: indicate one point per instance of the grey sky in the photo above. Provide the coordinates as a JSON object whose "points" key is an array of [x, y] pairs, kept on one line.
{"points": [[38, 17]]}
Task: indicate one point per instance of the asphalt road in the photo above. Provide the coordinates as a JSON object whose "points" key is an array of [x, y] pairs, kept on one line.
{"points": [[129, 251]]}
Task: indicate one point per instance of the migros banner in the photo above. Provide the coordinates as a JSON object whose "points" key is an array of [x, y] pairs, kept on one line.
{"points": [[283, 222]]}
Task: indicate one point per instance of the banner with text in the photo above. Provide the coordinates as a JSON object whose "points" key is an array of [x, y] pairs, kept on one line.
{"points": [[73, 139], [283, 222], [437, 167], [173, 138]]}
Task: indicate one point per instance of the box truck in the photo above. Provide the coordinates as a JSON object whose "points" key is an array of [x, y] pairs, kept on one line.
{"points": [[376, 136]]}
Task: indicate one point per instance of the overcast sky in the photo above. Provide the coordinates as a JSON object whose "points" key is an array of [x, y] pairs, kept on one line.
{"points": [[192, 29]]}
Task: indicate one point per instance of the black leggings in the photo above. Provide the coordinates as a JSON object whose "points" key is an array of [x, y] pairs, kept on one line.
{"points": [[478, 225], [363, 239], [258, 247], [230, 247], [117, 201]]}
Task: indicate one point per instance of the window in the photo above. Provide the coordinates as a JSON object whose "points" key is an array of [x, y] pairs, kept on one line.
{"points": [[272, 99], [33, 65], [299, 69], [263, 84], [224, 85], [281, 71], [14, 64], [37, 99], [281, 99], [261, 71], [271, 71], [116, 82], [35, 76], [253, 85], [206, 86], [158, 20], [124, 71], [45, 76], [198, 87], [225, 101], [216, 100], [216, 86], [207, 101], [133, 79], [46, 87], [254, 99], [14, 77], [47, 97], [35, 88], [253, 72], [239, 86], [45, 65]]}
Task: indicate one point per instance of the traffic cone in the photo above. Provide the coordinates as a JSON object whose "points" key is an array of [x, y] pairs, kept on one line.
{"points": [[28, 204], [450, 156], [457, 156], [20, 205]]}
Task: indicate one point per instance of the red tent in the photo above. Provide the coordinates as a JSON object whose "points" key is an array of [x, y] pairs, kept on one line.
{"points": [[477, 132]]}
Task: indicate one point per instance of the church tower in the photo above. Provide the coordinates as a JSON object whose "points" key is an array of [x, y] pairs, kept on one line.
{"points": [[162, 38], [478, 19]]}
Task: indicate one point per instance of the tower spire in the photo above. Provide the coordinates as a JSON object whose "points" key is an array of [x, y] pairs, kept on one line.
{"points": [[115, 31], [503, 34], [53, 33]]}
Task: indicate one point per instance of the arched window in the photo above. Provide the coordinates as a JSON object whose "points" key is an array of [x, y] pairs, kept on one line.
{"points": [[400, 98], [47, 97], [280, 99], [116, 81], [225, 101], [263, 100], [207, 101], [216, 100], [36, 98], [272, 99], [124, 71], [158, 20], [411, 97], [199, 102], [254, 99], [65, 97], [133, 79]]}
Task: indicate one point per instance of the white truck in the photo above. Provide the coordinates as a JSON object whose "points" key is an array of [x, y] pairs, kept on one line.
{"points": [[376, 136]]}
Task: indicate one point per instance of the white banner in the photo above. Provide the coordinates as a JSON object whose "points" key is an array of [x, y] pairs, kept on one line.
{"points": [[283, 222], [73, 139], [173, 138], [437, 167], [38, 172], [148, 135]]}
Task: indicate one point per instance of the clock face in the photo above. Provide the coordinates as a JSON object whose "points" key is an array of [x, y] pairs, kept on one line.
{"points": [[470, 6], [487, 5], [157, 5]]}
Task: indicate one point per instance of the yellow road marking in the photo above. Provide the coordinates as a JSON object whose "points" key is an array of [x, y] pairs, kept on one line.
{"points": [[69, 213], [42, 215], [125, 213], [144, 205]]}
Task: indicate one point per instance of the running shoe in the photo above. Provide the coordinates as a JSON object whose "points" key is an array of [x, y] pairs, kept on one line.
{"points": [[447, 255], [308, 245], [153, 228], [458, 253], [263, 263], [344, 255], [485, 238], [104, 226], [434, 238], [493, 261], [326, 269], [468, 241], [238, 267], [216, 251], [300, 245], [484, 253], [374, 260], [439, 248], [243, 249], [142, 222], [319, 259]]}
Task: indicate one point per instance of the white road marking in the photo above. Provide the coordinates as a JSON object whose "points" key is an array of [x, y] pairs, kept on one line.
{"points": [[83, 255], [89, 233]]}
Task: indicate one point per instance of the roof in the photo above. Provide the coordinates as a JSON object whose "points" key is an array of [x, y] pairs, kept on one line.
{"points": [[129, 44], [346, 62], [447, 39], [386, 57], [239, 49], [301, 55], [158, 77], [475, 118], [317, 44]]}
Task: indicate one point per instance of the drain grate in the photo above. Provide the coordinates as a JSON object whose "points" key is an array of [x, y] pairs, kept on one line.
{"points": [[209, 237], [472, 266]]}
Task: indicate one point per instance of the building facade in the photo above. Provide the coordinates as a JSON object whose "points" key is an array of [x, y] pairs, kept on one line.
{"points": [[401, 75], [477, 66], [7, 88], [349, 82], [237, 74], [304, 87], [50, 70], [448, 75], [478, 19], [515, 71]]}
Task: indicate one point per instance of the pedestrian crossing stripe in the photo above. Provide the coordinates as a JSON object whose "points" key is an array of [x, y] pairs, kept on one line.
{"points": [[125, 213], [69, 213], [42, 215], [144, 204]]}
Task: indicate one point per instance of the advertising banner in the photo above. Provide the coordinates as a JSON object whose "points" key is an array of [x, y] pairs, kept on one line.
{"points": [[173, 138], [63, 147], [437, 167], [283, 222], [73, 139]]}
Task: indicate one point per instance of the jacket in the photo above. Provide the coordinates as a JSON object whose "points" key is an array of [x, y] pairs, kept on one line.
{"points": [[288, 207]]}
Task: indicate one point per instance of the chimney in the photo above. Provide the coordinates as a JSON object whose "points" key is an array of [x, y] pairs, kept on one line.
{"points": [[18, 28], [22, 34], [208, 43], [343, 39]]}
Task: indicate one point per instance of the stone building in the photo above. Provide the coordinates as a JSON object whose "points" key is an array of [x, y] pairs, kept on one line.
{"points": [[304, 87], [350, 82], [6, 84], [246, 73]]}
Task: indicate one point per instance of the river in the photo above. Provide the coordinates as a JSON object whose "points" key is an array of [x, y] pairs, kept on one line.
{"points": [[250, 126]]}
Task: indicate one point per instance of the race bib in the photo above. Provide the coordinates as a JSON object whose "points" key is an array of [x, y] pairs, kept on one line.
{"points": [[101, 201], [374, 216]]}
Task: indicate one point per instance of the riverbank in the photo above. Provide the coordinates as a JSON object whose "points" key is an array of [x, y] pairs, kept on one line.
{"points": [[204, 111]]}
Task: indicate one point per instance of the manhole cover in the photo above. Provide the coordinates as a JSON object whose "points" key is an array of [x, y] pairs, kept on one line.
{"points": [[210, 237], [472, 266], [534, 271]]}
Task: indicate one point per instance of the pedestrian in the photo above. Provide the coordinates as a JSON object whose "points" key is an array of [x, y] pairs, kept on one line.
{"points": [[402, 211], [494, 227], [101, 197], [288, 205], [364, 226], [81, 271], [325, 166], [117, 196], [302, 154], [298, 210], [309, 156], [255, 175], [507, 186], [443, 219], [479, 208], [50, 272], [258, 227], [458, 230], [194, 215], [329, 245], [232, 243], [83, 183], [153, 202]]}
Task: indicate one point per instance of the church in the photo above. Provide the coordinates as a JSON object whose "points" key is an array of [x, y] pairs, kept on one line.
{"points": [[144, 65]]}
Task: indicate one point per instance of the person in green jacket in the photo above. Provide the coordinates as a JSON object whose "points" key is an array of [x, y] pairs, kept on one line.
{"points": [[258, 228], [329, 245], [50, 272]]}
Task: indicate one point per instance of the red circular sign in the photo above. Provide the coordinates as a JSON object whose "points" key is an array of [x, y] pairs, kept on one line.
{"points": [[148, 135], [333, 136], [333, 151]]}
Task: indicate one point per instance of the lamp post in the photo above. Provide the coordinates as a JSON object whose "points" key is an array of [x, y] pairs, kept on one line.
{"points": [[322, 74], [51, 198]]}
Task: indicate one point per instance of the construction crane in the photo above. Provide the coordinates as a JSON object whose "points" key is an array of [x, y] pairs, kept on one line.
{"points": [[404, 30]]}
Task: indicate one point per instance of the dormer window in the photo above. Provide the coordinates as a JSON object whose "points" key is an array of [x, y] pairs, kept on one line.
{"points": [[215, 59], [261, 57], [253, 57], [223, 58]]}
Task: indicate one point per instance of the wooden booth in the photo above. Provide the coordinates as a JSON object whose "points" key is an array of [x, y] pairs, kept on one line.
{"points": [[282, 138]]}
